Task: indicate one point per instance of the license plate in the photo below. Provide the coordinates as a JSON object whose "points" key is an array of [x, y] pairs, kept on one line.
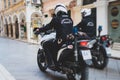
{"points": [[108, 50], [86, 54]]}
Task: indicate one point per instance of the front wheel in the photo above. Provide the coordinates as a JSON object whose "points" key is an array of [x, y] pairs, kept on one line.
{"points": [[100, 61], [41, 61], [82, 75]]}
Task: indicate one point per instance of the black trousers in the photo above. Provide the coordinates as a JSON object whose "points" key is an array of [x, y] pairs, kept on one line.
{"points": [[51, 48]]}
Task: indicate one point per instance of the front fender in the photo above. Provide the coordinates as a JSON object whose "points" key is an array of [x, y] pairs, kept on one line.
{"points": [[107, 51]]}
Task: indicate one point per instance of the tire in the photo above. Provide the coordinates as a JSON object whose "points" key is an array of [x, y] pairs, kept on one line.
{"points": [[100, 61], [41, 61], [83, 75], [70, 77]]}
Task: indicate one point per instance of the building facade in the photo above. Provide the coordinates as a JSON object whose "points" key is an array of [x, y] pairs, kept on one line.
{"points": [[19, 17]]}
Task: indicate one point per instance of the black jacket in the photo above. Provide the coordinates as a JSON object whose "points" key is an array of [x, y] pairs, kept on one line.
{"points": [[63, 26], [88, 26]]}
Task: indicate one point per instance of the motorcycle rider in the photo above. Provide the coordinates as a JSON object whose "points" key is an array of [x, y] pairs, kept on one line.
{"points": [[87, 24], [63, 26]]}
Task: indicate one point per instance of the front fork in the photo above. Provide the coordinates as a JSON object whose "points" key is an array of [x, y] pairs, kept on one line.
{"points": [[76, 50]]}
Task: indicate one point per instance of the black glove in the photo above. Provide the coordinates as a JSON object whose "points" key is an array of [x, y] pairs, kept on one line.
{"points": [[36, 31]]}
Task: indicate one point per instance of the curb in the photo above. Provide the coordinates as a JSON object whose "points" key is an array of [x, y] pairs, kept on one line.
{"points": [[114, 58], [24, 41]]}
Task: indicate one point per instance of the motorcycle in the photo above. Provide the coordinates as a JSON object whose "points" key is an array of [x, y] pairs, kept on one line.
{"points": [[101, 50], [73, 59]]}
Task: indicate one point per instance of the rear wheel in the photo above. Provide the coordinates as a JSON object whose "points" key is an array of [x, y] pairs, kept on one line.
{"points": [[41, 60], [100, 60]]}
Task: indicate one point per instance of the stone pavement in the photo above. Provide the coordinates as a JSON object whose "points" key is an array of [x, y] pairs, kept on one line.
{"points": [[111, 72]]}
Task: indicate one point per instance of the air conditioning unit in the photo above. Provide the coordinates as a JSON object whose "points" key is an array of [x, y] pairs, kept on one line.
{"points": [[36, 2]]}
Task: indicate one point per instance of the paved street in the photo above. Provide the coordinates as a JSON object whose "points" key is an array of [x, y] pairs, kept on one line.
{"points": [[19, 59]]}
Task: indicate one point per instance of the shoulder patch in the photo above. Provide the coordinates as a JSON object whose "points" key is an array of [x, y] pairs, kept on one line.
{"points": [[90, 24], [66, 21]]}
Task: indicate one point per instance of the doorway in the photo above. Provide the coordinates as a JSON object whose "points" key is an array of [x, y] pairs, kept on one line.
{"points": [[16, 29]]}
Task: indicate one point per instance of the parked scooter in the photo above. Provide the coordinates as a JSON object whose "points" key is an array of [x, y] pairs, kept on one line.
{"points": [[73, 59], [101, 50]]}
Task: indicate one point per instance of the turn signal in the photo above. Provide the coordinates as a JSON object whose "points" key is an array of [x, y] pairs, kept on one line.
{"points": [[104, 38]]}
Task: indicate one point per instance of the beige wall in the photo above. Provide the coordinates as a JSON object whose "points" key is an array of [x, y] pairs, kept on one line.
{"points": [[50, 4], [75, 11], [75, 14]]}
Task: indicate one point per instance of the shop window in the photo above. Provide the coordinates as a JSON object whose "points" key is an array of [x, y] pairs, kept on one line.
{"points": [[85, 2]]}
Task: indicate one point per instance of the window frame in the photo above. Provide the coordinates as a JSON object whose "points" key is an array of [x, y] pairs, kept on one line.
{"points": [[9, 3], [5, 6]]}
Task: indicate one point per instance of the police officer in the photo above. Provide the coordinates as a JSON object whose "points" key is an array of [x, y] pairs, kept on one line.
{"points": [[87, 23], [63, 26]]}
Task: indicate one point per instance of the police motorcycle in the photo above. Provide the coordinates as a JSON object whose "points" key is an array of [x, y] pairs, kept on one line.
{"points": [[73, 59], [101, 50]]}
